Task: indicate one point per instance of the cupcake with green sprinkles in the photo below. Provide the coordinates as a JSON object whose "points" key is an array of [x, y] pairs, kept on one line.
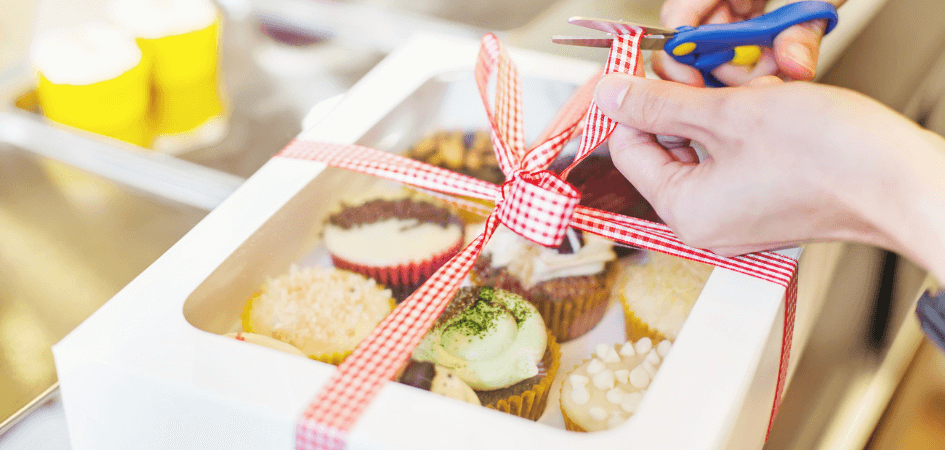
{"points": [[497, 343]]}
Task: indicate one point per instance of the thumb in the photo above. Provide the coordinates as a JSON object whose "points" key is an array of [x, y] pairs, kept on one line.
{"points": [[659, 107], [796, 49]]}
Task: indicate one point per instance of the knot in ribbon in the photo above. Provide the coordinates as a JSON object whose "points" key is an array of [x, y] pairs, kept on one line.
{"points": [[538, 206]]}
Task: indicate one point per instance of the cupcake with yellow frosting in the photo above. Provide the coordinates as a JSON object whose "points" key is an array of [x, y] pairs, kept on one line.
{"points": [[323, 312], [497, 343], [658, 295], [570, 285]]}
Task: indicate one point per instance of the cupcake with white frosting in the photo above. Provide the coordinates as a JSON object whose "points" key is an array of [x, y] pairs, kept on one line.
{"points": [[658, 295], [94, 77], [399, 242], [604, 391], [570, 285], [265, 341], [497, 343], [181, 40]]}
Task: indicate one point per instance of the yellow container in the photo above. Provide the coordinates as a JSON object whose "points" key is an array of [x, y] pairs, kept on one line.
{"points": [[183, 59], [185, 108], [116, 107]]}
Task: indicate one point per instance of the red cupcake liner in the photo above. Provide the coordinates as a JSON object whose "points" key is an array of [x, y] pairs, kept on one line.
{"points": [[402, 279]]}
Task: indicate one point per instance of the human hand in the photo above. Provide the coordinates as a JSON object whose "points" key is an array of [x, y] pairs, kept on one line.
{"points": [[788, 163], [794, 55]]}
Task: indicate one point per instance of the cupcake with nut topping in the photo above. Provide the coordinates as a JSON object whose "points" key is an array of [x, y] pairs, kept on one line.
{"points": [[570, 285], [399, 242], [497, 343], [605, 390]]}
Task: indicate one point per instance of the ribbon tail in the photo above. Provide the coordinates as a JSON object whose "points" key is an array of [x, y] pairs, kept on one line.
{"points": [[787, 338], [624, 55], [333, 412], [392, 167]]}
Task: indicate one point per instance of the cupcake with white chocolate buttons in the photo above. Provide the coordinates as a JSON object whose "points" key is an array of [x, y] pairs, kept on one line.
{"points": [[604, 391], [497, 343]]}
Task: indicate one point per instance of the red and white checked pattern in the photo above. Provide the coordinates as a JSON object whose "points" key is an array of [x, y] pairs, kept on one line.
{"points": [[623, 58], [537, 205], [533, 202]]}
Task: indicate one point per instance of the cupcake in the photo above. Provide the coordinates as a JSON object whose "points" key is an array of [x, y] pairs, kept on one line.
{"points": [[469, 153], [180, 38], [438, 380], [323, 312], [658, 295], [570, 285], [496, 342], [264, 341], [398, 242], [94, 77], [604, 391]]}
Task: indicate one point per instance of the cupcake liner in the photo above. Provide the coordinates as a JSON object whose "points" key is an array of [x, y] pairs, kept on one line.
{"points": [[571, 425], [401, 279], [334, 359], [531, 403], [636, 328], [566, 318]]}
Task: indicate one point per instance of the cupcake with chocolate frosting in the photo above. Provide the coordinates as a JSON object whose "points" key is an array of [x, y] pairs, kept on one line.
{"points": [[399, 242], [570, 285], [497, 343]]}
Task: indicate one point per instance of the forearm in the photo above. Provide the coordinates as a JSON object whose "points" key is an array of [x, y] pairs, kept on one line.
{"points": [[913, 214]]}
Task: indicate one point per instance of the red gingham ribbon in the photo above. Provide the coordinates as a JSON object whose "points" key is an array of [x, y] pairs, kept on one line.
{"points": [[533, 202]]}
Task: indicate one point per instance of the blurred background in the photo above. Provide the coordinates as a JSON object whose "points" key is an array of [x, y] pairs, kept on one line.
{"points": [[86, 205]]}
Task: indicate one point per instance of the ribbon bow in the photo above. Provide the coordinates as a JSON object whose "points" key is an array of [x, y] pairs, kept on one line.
{"points": [[533, 202]]}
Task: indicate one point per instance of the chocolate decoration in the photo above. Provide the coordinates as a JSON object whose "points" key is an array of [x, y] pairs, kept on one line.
{"points": [[418, 374], [566, 247], [383, 209]]}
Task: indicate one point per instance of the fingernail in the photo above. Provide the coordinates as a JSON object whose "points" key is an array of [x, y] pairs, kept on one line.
{"points": [[802, 56], [610, 92]]}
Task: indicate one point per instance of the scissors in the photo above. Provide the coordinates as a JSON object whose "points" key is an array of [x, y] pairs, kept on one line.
{"points": [[709, 46]]}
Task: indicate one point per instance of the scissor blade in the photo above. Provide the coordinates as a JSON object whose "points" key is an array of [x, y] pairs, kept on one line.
{"points": [[603, 42], [618, 26], [655, 42]]}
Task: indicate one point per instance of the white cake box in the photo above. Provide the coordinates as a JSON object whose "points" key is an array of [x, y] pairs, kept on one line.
{"points": [[148, 370]]}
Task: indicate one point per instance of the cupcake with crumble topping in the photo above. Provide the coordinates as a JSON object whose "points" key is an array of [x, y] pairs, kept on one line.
{"points": [[497, 343], [399, 242], [569, 285], [323, 312]]}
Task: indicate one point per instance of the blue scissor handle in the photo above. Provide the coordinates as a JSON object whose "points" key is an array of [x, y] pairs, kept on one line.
{"points": [[715, 43]]}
